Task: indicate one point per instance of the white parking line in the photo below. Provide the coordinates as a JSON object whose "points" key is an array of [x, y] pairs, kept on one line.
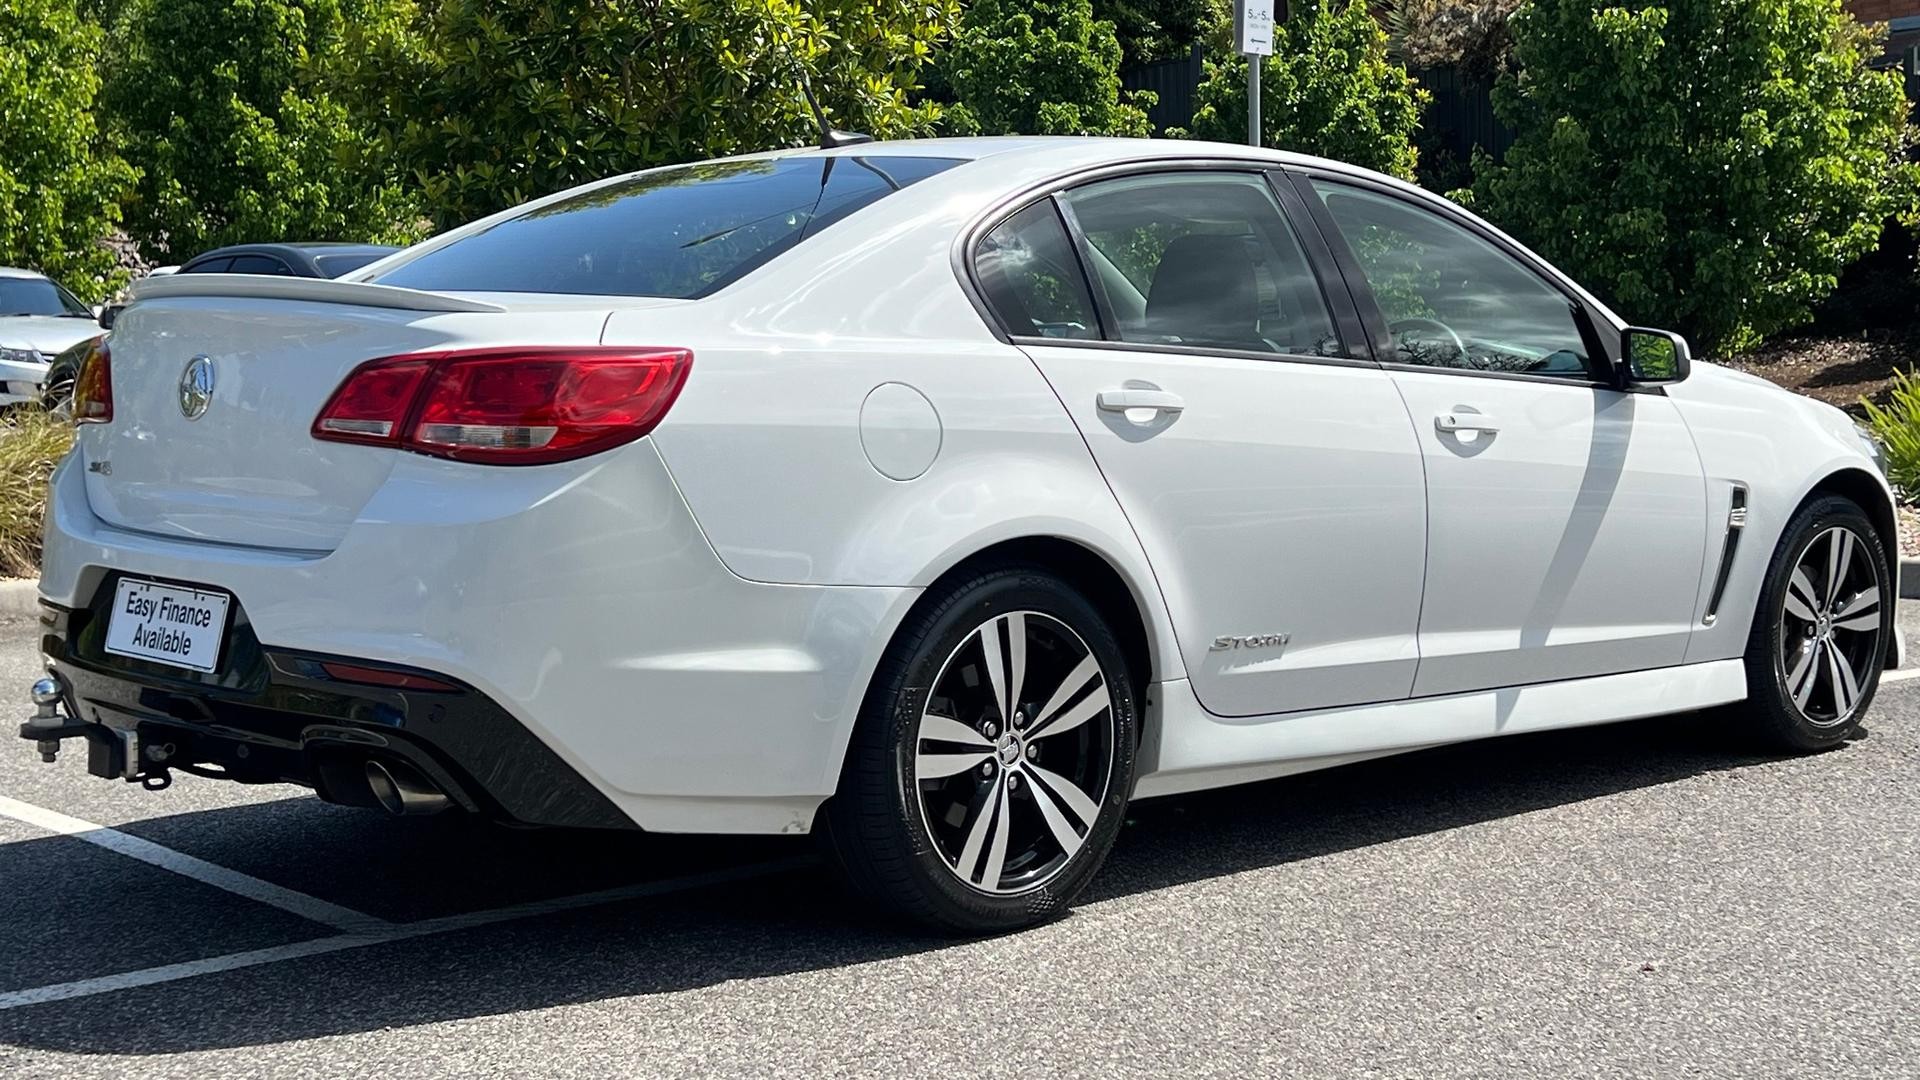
{"points": [[1901, 675], [233, 881], [128, 980]]}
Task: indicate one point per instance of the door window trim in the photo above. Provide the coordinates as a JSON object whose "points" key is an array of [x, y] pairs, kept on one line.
{"points": [[1346, 318], [1586, 320]]}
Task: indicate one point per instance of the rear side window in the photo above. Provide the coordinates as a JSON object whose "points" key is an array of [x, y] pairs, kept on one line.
{"points": [[258, 264], [334, 265], [211, 266], [1032, 279], [682, 232]]}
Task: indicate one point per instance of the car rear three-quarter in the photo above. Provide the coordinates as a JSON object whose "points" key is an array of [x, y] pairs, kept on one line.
{"points": [[938, 498]]}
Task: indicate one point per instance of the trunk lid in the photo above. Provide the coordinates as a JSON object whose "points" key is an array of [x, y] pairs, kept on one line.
{"points": [[246, 469]]}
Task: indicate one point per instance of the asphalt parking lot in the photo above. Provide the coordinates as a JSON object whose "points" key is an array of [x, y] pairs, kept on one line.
{"points": [[1640, 900]]}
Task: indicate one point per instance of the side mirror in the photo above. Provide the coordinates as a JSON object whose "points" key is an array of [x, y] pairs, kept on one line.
{"points": [[1655, 357], [108, 314]]}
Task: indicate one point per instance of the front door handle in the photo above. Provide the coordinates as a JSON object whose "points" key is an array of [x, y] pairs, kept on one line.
{"points": [[1450, 422], [1157, 400]]}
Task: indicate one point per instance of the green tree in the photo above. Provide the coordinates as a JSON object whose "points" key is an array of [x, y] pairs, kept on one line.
{"points": [[1150, 30], [1329, 89], [1709, 165], [1045, 67], [60, 186], [224, 105], [488, 103]]}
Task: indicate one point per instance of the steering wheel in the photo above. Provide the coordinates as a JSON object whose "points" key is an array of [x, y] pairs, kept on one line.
{"points": [[1415, 321]]}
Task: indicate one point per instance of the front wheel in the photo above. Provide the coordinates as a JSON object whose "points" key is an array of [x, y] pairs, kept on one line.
{"points": [[992, 762], [1820, 634]]}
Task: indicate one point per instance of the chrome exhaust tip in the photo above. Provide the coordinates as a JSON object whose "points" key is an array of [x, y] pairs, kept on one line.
{"points": [[402, 792]]}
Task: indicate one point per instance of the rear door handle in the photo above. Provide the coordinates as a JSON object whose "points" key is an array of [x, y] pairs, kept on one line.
{"points": [[1464, 421], [1157, 400]]}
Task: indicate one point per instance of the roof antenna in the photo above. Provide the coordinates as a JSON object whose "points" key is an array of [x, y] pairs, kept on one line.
{"points": [[830, 137]]}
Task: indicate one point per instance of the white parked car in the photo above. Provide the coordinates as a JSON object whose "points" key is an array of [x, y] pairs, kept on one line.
{"points": [[940, 497], [39, 319]]}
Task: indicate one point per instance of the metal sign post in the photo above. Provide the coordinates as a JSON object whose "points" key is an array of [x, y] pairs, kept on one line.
{"points": [[1253, 37]]}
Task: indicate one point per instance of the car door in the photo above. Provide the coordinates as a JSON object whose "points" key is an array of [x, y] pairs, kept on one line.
{"points": [[1565, 517], [1273, 478]]}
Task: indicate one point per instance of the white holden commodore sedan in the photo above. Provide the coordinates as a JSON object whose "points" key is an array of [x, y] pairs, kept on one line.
{"points": [[938, 498]]}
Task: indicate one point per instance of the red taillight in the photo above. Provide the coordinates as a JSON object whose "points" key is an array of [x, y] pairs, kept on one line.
{"points": [[523, 406], [93, 387], [399, 680]]}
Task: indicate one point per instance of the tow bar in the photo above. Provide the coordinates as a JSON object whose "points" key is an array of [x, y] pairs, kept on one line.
{"points": [[111, 751]]}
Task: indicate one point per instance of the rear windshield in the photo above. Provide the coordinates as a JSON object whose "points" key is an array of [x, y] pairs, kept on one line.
{"points": [[681, 232]]}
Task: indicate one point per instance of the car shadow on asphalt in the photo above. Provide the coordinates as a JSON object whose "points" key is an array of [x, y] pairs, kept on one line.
{"points": [[795, 921]]}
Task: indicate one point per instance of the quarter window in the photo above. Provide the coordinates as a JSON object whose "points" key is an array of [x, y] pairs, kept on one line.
{"points": [[1032, 279], [1205, 260], [1452, 299]]}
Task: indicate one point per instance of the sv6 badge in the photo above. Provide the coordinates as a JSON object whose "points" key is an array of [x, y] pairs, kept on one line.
{"points": [[1250, 641]]}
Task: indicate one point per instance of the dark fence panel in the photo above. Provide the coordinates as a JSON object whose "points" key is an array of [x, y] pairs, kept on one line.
{"points": [[1175, 81], [1461, 115]]}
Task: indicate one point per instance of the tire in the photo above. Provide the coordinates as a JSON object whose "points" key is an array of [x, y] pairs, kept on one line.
{"points": [[1815, 652], [942, 823]]}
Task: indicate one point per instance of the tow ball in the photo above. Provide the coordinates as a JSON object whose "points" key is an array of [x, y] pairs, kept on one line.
{"points": [[111, 752]]}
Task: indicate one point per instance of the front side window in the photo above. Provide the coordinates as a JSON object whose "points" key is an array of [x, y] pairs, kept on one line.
{"points": [[1452, 299], [681, 232], [1204, 260], [1031, 278]]}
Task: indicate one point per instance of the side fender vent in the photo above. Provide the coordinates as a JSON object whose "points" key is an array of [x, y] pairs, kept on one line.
{"points": [[1736, 524]]}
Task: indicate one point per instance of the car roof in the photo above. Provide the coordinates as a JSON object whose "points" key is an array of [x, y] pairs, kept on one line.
{"points": [[17, 272]]}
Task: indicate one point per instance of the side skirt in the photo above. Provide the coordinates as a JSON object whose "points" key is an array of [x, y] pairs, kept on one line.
{"points": [[1190, 749]]}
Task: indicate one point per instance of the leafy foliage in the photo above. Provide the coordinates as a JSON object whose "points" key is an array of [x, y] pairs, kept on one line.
{"points": [[1470, 35], [1329, 89], [1711, 165], [1150, 30], [59, 183], [32, 442], [1046, 67], [488, 103], [1898, 425], [223, 104]]}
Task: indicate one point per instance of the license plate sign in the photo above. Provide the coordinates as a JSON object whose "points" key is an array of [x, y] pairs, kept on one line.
{"points": [[167, 624]]}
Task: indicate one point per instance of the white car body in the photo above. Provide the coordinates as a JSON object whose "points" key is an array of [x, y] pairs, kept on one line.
{"points": [[28, 344], [690, 621]]}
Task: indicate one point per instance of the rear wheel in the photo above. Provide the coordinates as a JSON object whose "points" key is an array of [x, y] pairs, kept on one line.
{"points": [[993, 759], [1820, 634]]}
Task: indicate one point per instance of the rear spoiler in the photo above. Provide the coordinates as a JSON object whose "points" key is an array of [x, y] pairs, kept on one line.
{"points": [[311, 290]]}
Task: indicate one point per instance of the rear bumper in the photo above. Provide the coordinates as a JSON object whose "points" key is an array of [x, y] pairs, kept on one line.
{"points": [[275, 716], [580, 601]]}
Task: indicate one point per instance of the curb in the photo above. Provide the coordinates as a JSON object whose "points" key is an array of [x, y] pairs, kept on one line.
{"points": [[1910, 579], [19, 597]]}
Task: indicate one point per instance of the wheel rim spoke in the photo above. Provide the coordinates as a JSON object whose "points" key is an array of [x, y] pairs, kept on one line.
{"points": [[1804, 674], [935, 766], [1860, 613], [1068, 793], [997, 847], [1801, 598], [1076, 680], [1082, 711], [939, 728], [1846, 689], [995, 659], [985, 816], [1839, 560], [1063, 833]]}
